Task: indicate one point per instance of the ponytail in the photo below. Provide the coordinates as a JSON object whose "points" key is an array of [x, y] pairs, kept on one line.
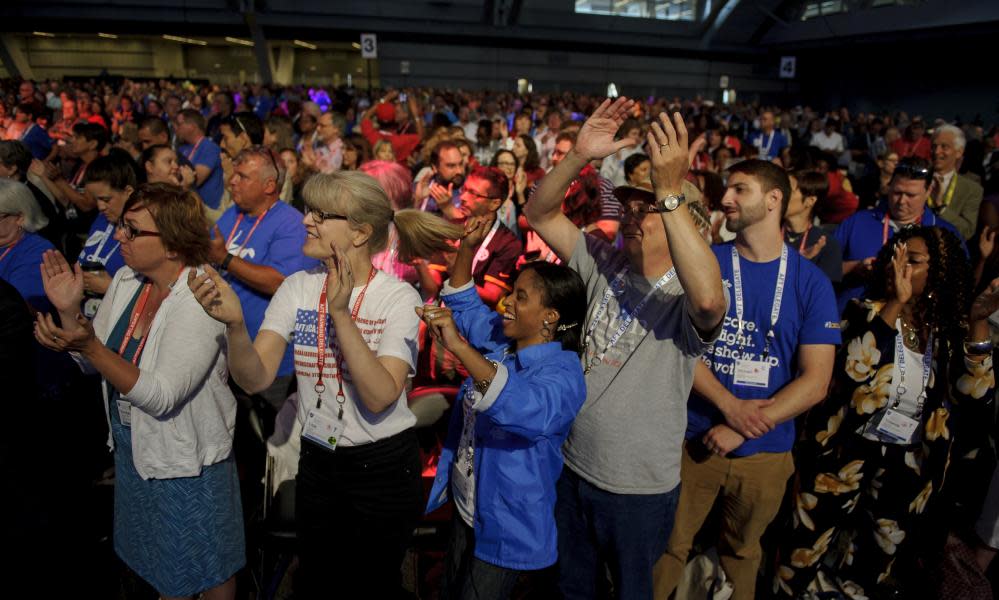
{"points": [[422, 234]]}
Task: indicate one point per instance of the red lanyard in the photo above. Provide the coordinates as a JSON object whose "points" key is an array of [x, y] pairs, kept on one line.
{"points": [[321, 343], [11, 247], [194, 150], [884, 231], [79, 176], [140, 305], [133, 322], [246, 241]]}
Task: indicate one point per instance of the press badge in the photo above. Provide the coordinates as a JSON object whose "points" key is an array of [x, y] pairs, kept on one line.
{"points": [[754, 373], [125, 412], [897, 426], [322, 429]]}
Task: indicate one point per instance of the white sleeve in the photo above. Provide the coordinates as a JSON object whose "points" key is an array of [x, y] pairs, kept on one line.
{"points": [[402, 326], [283, 307]]}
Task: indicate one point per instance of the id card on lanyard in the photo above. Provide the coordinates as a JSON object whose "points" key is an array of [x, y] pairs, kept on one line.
{"points": [[617, 287], [483, 252], [319, 427], [756, 373], [895, 426]]}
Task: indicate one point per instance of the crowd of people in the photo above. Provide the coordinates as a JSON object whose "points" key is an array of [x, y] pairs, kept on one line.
{"points": [[694, 349]]}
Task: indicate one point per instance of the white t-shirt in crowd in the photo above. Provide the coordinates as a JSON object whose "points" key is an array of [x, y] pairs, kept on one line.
{"points": [[830, 143], [388, 324]]}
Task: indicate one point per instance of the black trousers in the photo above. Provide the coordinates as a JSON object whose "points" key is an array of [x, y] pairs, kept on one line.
{"points": [[355, 510]]}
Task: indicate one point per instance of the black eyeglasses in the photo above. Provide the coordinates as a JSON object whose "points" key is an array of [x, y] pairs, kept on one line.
{"points": [[476, 194], [319, 216], [131, 232]]}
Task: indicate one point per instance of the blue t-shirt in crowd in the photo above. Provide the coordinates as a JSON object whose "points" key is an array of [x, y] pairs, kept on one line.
{"points": [[101, 247], [19, 267], [769, 145], [861, 236], [807, 316], [206, 153], [277, 243]]}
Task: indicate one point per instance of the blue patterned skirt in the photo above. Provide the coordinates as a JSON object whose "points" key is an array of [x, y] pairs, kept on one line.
{"points": [[183, 536]]}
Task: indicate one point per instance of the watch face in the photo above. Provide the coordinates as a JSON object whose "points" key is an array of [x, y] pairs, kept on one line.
{"points": [[669, 203]]}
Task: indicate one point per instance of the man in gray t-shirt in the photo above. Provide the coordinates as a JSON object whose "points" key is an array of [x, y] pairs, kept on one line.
{"points": [[653, 309]]}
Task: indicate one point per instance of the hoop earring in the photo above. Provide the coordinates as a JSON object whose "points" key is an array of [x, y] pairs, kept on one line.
{"points": [[546, 330]]}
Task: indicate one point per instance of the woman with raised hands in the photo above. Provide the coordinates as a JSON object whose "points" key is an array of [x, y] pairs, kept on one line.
{"points": [[358, 493], [503, 453], [177, 519], [912, 382]]}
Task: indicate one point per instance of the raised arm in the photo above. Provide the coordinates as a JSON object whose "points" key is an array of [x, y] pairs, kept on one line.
{"points": [[595, 140], [696, 266]]}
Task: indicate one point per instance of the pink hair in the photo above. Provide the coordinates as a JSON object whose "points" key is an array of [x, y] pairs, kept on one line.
{"points": [[394, 179]]}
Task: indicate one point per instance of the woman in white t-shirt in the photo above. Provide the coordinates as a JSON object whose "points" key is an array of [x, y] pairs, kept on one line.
{"points": [[358, 493]]}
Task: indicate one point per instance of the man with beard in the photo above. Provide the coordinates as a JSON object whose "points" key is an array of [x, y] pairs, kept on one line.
{"points": [[772, 362]]}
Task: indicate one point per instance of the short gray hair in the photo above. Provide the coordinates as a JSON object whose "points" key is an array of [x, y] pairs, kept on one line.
{"points": [[17, 199], [959, 139]]}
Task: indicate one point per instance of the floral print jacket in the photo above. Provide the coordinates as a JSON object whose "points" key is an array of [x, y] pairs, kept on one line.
{"points": [[861, 387]]}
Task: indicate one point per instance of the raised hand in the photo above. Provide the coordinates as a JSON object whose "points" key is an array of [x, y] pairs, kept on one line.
{"points": [[986, 303], [215, 296], [441, 325], [596, 138], [186, 177], [96, 282], [520, 181], [475, 231], [72, 337], [217, 249], [901, 282], [813, 250], [669, 154], [340, 281], [697, 146], [63, 285], [441, 194]]}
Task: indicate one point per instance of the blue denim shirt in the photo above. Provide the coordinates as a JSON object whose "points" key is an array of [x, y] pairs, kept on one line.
{"points": [[521, 424]]}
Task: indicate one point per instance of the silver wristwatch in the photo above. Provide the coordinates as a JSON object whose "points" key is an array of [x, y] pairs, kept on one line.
{"points": [[668, 203]]}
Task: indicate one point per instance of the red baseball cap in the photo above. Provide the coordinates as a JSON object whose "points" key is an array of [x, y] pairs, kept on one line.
{"points": [[385, 111]]}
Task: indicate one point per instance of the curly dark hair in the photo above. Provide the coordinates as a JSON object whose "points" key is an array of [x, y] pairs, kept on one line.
{"points": [[943, 306]]}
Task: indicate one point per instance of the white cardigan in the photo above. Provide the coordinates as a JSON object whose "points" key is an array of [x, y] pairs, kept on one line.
{"points": [[183, 413]]}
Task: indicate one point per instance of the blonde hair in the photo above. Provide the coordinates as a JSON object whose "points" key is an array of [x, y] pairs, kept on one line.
{"points": [[360, 198]]}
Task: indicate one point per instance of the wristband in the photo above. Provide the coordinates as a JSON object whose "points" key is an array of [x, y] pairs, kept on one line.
{"points": [[978, 348], [225, 261]]}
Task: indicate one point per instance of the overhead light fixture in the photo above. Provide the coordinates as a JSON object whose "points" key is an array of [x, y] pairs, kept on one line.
{"points": [[305, 44], [233, 40], [356, 45], [43, 34], [109, 36], [185, 40]]}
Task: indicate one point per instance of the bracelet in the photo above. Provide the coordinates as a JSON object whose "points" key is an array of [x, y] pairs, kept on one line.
{"points": [[225, 261], [482, 385], [978, 348]]}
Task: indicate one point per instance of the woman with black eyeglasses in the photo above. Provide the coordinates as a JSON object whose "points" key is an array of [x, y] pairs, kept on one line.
{"points": [[178, 520], [354, 333]]}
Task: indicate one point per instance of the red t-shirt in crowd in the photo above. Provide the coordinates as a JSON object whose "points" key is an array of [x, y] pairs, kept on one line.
{"points": [[905, 147], [402, 144]]}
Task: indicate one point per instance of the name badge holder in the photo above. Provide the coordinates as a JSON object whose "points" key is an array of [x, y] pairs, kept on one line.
{"points": [[895, 427], [319, 427], [756, 373], [617, 288]]}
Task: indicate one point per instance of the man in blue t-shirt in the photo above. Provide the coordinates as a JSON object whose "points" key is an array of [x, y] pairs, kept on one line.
{"points": [[768, 140], [258, 242], [863, 234], [205, 155], [772, 362]]}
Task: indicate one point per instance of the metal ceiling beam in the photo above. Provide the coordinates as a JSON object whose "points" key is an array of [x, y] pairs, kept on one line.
{"points": [[723, 14]]}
